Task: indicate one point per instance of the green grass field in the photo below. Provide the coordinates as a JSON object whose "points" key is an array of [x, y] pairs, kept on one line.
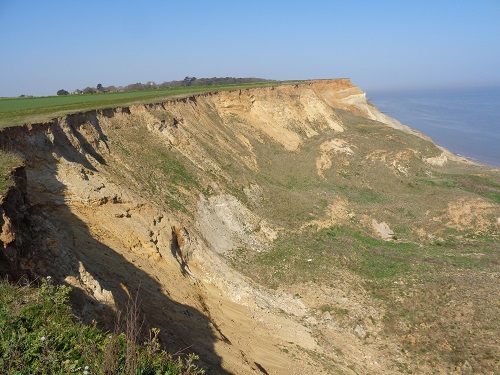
{"points": [[17, 111]]}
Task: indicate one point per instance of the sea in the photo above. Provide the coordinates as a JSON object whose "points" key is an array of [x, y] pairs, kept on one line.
{"points": [[466, 121]]}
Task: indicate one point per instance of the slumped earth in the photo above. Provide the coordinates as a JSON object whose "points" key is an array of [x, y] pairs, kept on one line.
{"points": [[278, 230]]}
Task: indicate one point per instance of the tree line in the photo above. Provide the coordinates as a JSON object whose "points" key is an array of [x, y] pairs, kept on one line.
{"points": [[187, 81]]}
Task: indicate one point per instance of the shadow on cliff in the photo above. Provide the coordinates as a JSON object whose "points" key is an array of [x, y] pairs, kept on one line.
{"points": [[66, 247]]}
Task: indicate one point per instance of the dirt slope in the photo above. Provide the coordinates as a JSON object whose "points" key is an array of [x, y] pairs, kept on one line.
{"points": [[283, 230]]}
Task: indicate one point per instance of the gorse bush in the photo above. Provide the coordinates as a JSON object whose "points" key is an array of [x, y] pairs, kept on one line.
{"points": [[38, 336]]}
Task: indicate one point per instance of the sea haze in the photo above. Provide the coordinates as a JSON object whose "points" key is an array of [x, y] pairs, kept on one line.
{"points": [[465, 121]]}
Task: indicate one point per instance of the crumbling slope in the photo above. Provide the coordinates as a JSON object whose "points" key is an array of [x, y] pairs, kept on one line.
{"points": [[283, 229]]}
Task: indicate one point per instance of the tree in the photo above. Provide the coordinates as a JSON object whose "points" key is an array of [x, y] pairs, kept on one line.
{"points": [[99, 87], [89, 90], [136, 87], [62, 92], [188, 81], [109, 89]]}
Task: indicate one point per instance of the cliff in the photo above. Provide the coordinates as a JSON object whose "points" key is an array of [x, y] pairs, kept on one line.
{"points": [[289, 229], [15, 236]]}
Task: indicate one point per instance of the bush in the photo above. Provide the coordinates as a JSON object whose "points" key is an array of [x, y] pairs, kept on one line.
{"points": [[38, 336]]}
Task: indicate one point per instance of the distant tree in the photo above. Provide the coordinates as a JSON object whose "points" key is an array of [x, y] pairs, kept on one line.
{"points": [[136, 86], [188, 81], [169, 84], [89, 90], [62, 92], [193, 81], [109, 89]]}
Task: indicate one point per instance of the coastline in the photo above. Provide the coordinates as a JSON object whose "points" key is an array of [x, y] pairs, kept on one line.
{"points": [[466, 122]]}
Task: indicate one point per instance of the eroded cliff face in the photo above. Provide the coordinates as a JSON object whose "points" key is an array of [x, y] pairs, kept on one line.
{"points": [[16, 228], [167, 200]]}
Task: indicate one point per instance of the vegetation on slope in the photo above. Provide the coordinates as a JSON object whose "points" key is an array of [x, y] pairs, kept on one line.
{"points": [[417, 278], [7, 163], [423, 281], [39, 336]]}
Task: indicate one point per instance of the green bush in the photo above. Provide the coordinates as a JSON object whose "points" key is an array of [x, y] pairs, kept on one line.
{"points": [[38, 336]]}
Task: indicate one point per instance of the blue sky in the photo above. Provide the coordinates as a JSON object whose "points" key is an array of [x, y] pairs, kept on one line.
{"points": [[380, 44]]}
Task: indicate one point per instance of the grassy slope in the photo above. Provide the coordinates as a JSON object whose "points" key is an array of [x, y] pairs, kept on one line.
{"points": [[418, 280], [423, 283]]}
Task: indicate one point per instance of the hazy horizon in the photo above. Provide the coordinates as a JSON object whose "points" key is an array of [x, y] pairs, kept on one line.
{"points": [[53, 45]]}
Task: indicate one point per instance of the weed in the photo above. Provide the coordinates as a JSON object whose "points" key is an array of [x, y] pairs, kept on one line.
{"points": [[326, 308], [439, 182], [339, 311], [172, 198], [38, 336], [477, 184]]}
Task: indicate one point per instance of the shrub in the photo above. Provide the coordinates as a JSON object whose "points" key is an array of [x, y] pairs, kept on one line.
{"points": [[38, 336]]}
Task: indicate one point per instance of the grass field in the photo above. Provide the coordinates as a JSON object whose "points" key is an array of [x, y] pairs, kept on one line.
{"points": [[17, 111]]}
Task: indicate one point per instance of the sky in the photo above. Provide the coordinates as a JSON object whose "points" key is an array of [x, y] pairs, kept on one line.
{"points": [[380, 44]]}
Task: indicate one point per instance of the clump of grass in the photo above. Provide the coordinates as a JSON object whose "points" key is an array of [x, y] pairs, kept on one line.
{"points": [[480, 185], [7, 162], [38, 336], [339, 311], [364, 195], [476, 184]]}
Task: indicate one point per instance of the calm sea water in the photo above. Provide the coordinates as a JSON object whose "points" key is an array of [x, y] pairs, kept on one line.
{"points": [[465, 121]]}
